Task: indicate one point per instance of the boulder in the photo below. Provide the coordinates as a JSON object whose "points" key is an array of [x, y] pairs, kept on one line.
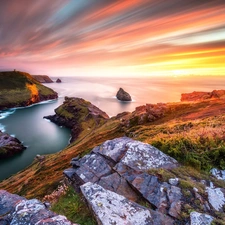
{"points": [[112, 208], [216, 197], [200, 218], [58, 80], [219, 174], [16, 210], [121, 165], [9, 145], [123, 95]]}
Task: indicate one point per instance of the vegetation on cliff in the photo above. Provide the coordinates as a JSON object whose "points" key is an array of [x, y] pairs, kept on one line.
{"points": [[192, 133], [21, 89]]}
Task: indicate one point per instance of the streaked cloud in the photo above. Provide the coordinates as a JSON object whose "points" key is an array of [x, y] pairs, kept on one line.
{"points": [[138, 37]]}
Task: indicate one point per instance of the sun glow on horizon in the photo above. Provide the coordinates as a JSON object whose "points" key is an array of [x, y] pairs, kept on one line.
{"points": [[125, 38]]}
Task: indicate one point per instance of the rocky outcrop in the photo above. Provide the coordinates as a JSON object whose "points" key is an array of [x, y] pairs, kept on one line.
{"points": [[200, 218], [15, 210], [9, 145], [144, 114], [200, 96], [42, 78], [121, 165], [219, 174], [216, 197], [111, 208], [58, 80], [78, 114], [19, 89], [123, 95]]}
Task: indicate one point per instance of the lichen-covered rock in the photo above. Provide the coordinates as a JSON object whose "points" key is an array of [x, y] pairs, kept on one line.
{"points": [[123, 95], [216, 197], [111, 208], [16, 210], [9, 145], [219, 174], [200, 218], [121, 165]]}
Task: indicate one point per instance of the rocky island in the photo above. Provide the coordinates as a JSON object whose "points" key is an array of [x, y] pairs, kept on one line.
{"points": [[123, 95], [161, 164]]}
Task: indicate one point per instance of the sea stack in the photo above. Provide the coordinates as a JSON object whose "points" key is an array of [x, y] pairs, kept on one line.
{"points": [[58, 81], [123, 95]]}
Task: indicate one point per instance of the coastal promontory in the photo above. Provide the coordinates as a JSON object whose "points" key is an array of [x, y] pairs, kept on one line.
{"points": [[42, 78], [19, 89]]}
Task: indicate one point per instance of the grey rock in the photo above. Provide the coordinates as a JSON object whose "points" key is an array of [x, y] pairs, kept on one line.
{"points": [[120, 165], [216, 197], [219, 174], [16, 210], [174, 181], [123, 95], [9, 145], [200, 218], [111, 208]]}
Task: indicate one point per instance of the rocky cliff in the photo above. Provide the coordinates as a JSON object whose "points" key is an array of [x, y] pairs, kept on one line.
{"points": [[162, 173], [78, 115], [42, 78], [21, 89], [200, 96]]}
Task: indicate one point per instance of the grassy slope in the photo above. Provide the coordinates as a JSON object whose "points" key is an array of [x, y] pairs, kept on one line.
{"points": [[194, 134], [14, 90]]}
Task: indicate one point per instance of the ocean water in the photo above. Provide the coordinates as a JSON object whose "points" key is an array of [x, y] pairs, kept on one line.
{"points": [[43, 137]]}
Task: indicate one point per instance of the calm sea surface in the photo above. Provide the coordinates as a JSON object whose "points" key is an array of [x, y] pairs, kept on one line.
{"points": [[43, 137]]}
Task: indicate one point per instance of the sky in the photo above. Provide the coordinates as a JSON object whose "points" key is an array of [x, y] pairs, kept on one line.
{"points": [[113, 37]]}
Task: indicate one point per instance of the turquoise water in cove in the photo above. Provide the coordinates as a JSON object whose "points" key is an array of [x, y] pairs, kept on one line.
{"points": [[43, 137]]}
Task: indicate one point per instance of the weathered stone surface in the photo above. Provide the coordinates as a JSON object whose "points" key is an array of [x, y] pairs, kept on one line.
{"points": [[120, 165], [219, 174], [174, 181], [200, 218], [216, 197], [111, 208], [9, 145], [123, 95], [16, 210]]}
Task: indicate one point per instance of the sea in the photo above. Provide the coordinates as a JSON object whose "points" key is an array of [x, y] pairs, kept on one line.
{"points": [[42, 137]]}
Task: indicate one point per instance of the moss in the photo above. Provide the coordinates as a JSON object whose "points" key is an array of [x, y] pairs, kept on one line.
{"points": [[73, 206]]}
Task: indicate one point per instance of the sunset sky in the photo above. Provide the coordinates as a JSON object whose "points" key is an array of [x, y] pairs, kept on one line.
{"points": [[113, 37]]}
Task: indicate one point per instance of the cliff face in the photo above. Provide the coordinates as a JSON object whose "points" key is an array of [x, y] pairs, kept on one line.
{"points": [[172, 182], [21, 89], [78, 115], [200, 96], [42, 78]]}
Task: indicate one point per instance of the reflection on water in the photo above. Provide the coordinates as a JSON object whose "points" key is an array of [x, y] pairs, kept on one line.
{"points": [[37, 134]]}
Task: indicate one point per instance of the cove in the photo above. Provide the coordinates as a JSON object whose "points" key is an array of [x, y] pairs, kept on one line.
{"points": [[39, 135]]}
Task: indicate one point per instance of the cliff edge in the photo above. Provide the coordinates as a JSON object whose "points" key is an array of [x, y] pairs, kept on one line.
{"points": [[19, 89]]}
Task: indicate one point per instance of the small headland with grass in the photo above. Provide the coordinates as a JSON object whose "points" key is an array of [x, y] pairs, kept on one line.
{"points": [[20, 89], [160, 164]]}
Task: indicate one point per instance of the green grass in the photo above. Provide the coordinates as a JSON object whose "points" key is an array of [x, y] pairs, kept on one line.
{"points": [[72, 206]]}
